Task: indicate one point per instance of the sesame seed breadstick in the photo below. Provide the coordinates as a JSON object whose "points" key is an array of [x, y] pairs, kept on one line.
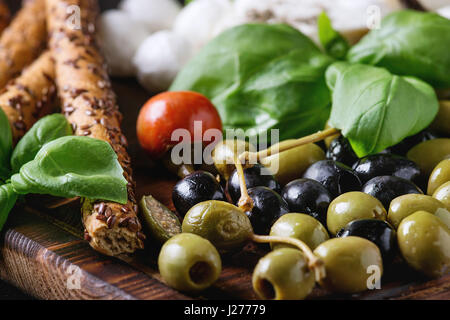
{"points": [[23, 40], [5, 15], [30, 96], [90, 105]]}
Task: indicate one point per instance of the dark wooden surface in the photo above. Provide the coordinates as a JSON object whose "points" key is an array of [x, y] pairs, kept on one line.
{"points": [[42, 251]]}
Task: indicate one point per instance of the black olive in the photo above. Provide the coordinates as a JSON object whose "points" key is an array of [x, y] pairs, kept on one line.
{"points": [[197, 187], [386, 165], [307, 196], [387, 188], [377, 231], [268, 206], [255, 176], [335, 176], [403, 147], [340, 150]]}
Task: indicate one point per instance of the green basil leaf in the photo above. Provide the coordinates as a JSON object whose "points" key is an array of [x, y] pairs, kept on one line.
{"points": [[409, 43], [262, 77], [375, 109], [45, 130], [5, 146], [74, 166], [332, 41], [8, 198]]}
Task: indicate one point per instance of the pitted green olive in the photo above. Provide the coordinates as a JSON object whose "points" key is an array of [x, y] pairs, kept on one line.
{"points": [[424, 242], [299, 226], [443, 194], [353, 206], [222, 223], [283, 274], [404, 206], [429, 153], [291, 164], [224, 152], [442, 121], [352, 264], [188, 262], [439, 176]]}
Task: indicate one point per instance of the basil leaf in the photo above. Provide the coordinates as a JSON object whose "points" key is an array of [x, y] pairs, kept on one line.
{"points": [[5, 146], [409, 43], [376, 109], [332, 41], [262, 77], [45, 130], [8, 198], [74, 166]]}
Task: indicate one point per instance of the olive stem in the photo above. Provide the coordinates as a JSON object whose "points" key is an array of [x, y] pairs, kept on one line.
{"points": [[61, 202], [245, 203], [286, 145], [314, 263]]}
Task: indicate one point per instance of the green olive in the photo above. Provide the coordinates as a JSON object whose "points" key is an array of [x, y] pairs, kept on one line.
{"points": [[424, 242], [404, 206], [222, 223], [161, 223], [291, 164], [331, 138], [224, 152], [283, 274], [443, 194], [188, 262], [353, 206], [439, 176], [441, 122], [352, 264], [429, 153], [299, 226]]}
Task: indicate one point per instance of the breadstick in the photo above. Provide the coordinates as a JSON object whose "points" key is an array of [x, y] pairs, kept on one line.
{"points": [[30, 96], [89, 104], [5, 15], [23, 41]]}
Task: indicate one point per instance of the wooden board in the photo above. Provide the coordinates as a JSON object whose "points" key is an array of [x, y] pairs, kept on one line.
{"points": [[43, 253]]}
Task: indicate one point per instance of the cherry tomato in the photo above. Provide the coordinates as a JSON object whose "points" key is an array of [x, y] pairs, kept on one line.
{"points": [[168, 111]]}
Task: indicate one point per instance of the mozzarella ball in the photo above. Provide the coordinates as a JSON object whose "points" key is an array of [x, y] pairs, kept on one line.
{"points": [[117, 43], [159, 58], [197, 21], [156, 14]]}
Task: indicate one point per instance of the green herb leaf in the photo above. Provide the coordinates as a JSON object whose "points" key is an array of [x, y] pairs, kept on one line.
{"points": [[45, 130], [262, 77], [332, 41], [409, 43], [5, 146], [8, 198], [74, 166], [375, 109]]}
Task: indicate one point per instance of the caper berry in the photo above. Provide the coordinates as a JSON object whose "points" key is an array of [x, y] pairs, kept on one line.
{"points": [[222, 223], [224, 154]]}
